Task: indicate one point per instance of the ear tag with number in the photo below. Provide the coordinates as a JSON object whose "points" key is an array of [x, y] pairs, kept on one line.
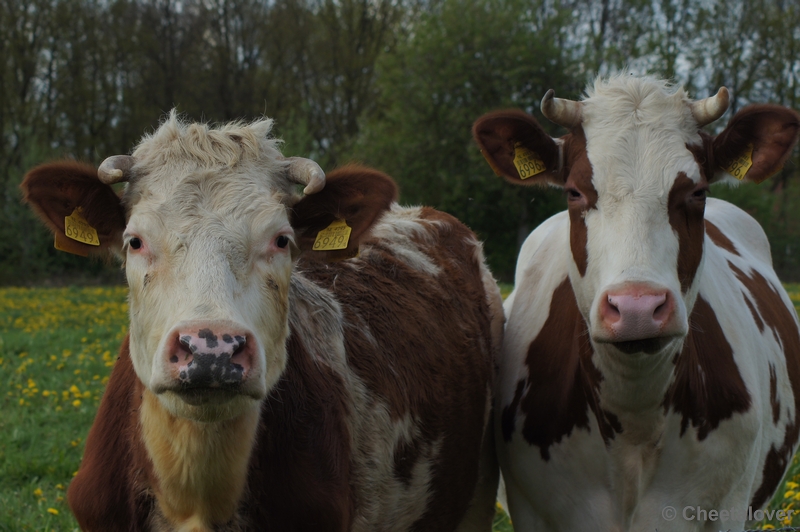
{"points": [[527, 162], [335, 236], [739, 166], [63, 243], [77, 228]]}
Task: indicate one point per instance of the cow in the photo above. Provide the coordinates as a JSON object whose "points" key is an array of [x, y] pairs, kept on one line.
{"points": [[650, 370], [295, 362]]}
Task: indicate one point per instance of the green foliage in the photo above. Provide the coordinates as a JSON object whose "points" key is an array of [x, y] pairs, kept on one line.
{"points": [[57, 347], [463, 59], [393, 83]]}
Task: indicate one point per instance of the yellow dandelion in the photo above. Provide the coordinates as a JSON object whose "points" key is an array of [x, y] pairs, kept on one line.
{"points": [[76, 403], [45, 393], [60, 487], [37, 492], [788, 494], [52, 511]]}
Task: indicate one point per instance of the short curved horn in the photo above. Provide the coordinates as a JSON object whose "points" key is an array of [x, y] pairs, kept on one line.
{"points": [[565, 113], [709, 109], [115, 169], [306, 172]]}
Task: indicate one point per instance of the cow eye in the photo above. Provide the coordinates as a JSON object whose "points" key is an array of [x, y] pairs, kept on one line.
{"points": [[135, 243], [700, 194], [282, 241], [573, 194]]}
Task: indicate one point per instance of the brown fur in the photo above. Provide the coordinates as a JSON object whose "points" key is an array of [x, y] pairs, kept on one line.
{"points": [[421, 346], [563, 382], [773, 130], [708, 387], [355, 194], [498, 132], [579, 170], [783, 325], [686, 219], [408, 368], [719, 239], [55, 190]]}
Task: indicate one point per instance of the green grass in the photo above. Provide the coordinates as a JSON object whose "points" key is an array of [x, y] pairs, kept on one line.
{"points": [[57, 347]]}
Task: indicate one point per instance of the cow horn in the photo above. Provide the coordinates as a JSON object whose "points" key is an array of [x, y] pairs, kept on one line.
{"points": [[306, 172], [115, 169], [565, 113], [709, 109]]}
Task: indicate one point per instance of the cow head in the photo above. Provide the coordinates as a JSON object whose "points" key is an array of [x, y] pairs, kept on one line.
{"points": [[636, 168], [208, 227]]}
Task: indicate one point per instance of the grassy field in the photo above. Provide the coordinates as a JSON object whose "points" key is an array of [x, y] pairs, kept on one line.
{"points": [[57, 347]]}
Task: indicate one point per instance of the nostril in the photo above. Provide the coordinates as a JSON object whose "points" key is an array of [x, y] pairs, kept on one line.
{"points": [[611, 310], [183, 348], [239, 352], [663, 308]]}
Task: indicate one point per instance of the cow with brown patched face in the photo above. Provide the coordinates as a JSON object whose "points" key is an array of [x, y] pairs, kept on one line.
{"points": [[293, 364], [651, 357]]}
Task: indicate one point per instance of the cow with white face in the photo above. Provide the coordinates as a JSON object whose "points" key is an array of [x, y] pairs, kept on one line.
{"points": [[651, 359], [321, 363]]}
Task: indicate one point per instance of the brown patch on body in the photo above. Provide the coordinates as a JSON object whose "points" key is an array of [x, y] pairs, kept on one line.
{"points": [[685, 212], [299, 471], [111, 490], [708, 387], [299, 477], [563, 383], [774, 402], [783, 324], [438, 376], [580, 179], [719, 238]]}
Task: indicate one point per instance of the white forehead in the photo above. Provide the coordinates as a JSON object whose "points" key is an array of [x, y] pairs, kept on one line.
{"points": [[636, 131], [182, 164]]}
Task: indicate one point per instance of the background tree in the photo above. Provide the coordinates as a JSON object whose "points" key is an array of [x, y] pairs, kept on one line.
{"points": [[393, 83]]}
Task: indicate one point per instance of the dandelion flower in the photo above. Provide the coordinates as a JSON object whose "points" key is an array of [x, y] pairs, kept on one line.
{"points": [[52, 511]]}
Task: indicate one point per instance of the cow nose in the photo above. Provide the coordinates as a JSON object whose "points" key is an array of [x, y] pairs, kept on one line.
{"points": [[636, 315], [208, 357]]}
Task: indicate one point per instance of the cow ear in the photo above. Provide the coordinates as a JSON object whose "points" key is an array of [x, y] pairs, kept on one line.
{"points": [[756, 143], [354, 196], [57, 190], [518, 149]]}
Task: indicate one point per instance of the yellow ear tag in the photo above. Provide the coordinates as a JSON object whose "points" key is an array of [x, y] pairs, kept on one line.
{"points": [[739, 166], [335, 236], [77, 228], [527, 162], [62, 243]]}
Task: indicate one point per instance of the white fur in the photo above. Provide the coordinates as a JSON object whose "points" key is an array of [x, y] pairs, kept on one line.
{"points": [[636, 135]]}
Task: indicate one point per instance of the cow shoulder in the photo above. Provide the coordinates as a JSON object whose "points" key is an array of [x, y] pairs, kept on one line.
{"points": [[557, 386], [299, 473], [735, 231], [110, 491], [416, 326], [708, 387]]}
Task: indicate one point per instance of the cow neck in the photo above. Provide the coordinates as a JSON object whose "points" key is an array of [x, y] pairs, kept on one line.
{"points": [[634, 386], [201, 468]]}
